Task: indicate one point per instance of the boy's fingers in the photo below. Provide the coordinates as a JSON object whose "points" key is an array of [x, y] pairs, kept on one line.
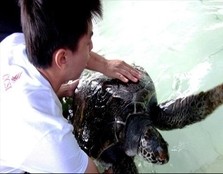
{"points": [[73, 84]]}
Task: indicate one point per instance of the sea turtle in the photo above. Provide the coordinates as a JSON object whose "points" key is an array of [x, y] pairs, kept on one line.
{"points": [[114, 121]]}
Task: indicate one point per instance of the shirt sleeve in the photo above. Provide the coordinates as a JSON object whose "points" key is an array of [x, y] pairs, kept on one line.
{"points": [[56, 153]]}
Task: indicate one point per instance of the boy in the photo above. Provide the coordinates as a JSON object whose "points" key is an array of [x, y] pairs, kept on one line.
{"points": [[55, 48]]}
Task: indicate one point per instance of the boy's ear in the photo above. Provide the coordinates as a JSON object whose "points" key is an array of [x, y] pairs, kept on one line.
{"points": [[60, 58]]}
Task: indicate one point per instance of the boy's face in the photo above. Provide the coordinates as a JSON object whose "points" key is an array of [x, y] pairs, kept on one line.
{"points": [[78, 59]]}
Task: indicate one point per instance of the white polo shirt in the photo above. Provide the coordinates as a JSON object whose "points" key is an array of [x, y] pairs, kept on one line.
{"points": [[34, 136]]}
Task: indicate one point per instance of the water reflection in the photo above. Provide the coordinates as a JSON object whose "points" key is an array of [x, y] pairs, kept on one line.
{"points": [[180, 44]]}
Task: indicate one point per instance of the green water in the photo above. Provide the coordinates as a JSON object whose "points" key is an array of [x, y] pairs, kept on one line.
{"points": [[180, 44]]}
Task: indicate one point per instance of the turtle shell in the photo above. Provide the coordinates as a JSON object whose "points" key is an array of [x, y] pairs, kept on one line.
{"points": [[102, 103]]}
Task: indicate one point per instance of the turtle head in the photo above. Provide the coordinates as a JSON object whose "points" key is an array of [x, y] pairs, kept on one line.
{"points": [[153, 147], [144, 139]]}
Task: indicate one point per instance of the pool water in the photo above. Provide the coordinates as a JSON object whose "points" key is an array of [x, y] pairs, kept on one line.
{"points": [[180, 44]]}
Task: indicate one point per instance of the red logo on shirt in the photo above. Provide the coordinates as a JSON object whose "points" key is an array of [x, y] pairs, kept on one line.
{"points": [[8, 80], [16, 77], [7, 83]]}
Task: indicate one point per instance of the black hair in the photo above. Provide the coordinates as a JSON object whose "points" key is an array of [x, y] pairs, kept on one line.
{"points": [[52, 24], [9, 18]]}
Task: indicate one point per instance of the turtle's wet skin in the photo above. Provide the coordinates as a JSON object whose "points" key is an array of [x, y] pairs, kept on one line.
{"points": [[115, 121]]}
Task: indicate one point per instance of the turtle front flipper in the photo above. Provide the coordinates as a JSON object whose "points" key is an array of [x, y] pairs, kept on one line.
{"points": [[185, 111], [116, 157]]}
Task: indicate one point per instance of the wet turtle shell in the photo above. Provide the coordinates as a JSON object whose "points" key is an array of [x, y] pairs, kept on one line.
{"points": [[114, 121]]}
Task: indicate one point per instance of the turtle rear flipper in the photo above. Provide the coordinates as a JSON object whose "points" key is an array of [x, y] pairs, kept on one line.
{"points": [[115, 157], [188, 110]]}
